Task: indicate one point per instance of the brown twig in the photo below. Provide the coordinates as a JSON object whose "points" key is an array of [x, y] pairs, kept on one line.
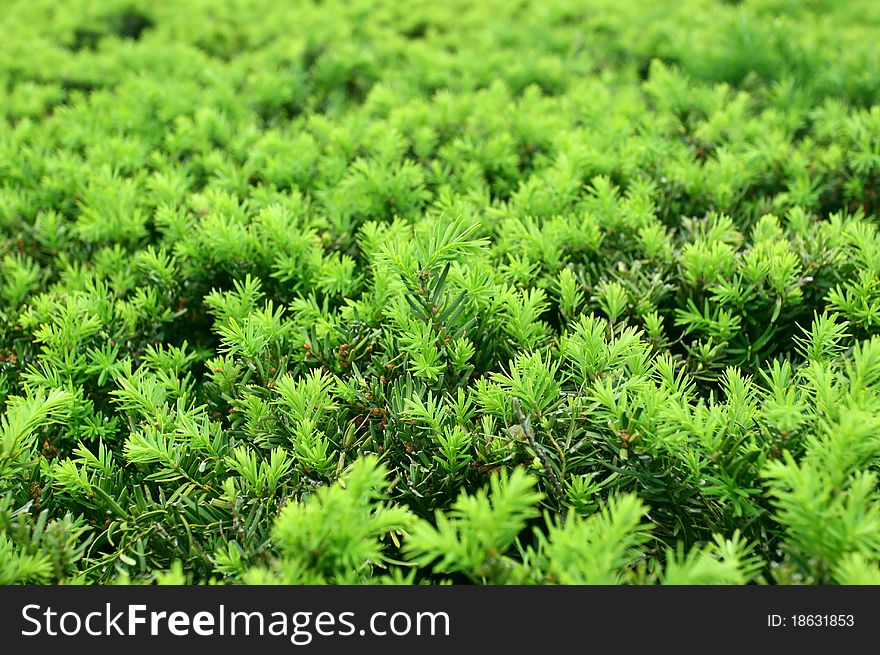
{"points": [[555, 486]]}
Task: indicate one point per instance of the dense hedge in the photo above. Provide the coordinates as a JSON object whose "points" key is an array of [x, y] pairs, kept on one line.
{"points": [[562, 291]]}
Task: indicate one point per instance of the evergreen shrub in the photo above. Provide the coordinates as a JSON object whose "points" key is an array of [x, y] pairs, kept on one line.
{"points": [[358, 291]]}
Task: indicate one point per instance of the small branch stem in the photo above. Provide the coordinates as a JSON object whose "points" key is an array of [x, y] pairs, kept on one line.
{"points": [[555, 486]]}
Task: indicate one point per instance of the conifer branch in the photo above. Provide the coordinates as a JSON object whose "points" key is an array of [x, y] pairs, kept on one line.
{"points": [[555, 486]]}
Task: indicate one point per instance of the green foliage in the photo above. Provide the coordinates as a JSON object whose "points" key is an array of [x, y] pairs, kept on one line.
{"points": [[571, 291], [335, 536], [478, 530]]}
